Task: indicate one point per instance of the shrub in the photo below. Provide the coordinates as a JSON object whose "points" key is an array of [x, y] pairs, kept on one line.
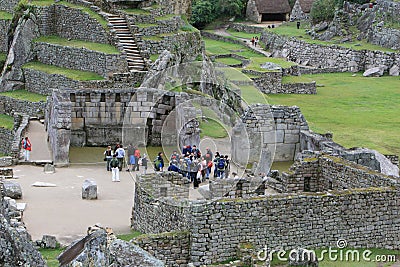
{"points": [[322, 10]]}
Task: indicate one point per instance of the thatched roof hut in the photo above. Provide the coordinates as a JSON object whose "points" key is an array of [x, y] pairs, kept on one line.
{"points": [[268, 10]]}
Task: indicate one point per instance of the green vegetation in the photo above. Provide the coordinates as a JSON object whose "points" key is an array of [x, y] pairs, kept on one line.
{"points": [[228, 61], [130, 236], [104, 48], [25, 95], [72, 74], [136, 11], [289, 29], [165, 17], [6, 121], [5, 15], [212, 128], [252, 95], [154, 57], [221, 48], [359, 111], [146, 25], [50, 256], [152, 38], [242, 35]]}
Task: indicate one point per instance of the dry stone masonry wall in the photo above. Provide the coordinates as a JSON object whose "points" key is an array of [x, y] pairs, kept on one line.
{"points": [[328, 56], [4, 28], [80, 59], [10, 106]]}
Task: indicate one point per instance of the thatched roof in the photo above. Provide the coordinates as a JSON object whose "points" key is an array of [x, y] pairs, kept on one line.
{"points": [[273, 6], [306, 5]]}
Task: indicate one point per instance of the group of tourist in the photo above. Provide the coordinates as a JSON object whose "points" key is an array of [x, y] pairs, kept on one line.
{"points": [[115, 160], [197, 166], [191, 163]]}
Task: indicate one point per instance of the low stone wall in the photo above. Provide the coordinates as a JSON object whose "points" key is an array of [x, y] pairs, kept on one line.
{"points": [[332, 56], [10, 106], [8, 5], [4, 28], [246, 28], [163, 26], [299, 88], [6, 161], [186, 44], [70, 23], [80, 59], [172, 247], [220, 227], [167, 184], [269, 82], [331, 173], [43, 83]]}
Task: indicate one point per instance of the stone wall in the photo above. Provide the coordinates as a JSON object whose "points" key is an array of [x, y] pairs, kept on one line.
{"points": [[188, 45], [179, 7], [10, 106], [331, 173], [68, 22], [6, 140], [80, 59], [332, 56], [168, 25], [252, 11], [166, 184], [58, 126], [385, 37], [236, 188], [273, 128], [271, 83], [317, 142], [8, 5], [171, 247], [21, 123], [43, 83], [4, 28], [312, 220], [154, 216], [297, 12], [246, 28]]}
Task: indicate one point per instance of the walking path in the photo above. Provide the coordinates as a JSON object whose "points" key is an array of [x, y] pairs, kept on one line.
{"points": [[38, 137]]}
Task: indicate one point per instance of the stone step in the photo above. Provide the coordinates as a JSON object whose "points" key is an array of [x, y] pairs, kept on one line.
{"points": [[134, 61]]}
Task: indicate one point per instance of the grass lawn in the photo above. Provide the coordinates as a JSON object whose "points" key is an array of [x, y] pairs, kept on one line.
{"points": [[5, 15], [359, 111], [104, 48], [212, 128], [221, 48], [243, 35], [228, 61], [130, 236], [72, 74], [25, 95], [251, 95], [50, 256], [6, 121], [290, 29]]}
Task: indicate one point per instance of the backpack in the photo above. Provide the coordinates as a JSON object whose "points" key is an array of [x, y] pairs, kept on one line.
{"points": [[114, 163], [221, 164], [157, 163]]}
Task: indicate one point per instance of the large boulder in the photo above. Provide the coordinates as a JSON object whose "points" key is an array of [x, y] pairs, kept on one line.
{"points": [[12, 189], [394, 71], [373, 72]]}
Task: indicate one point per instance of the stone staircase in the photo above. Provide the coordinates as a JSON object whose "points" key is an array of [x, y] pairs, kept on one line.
{"points": [[128, 43]]}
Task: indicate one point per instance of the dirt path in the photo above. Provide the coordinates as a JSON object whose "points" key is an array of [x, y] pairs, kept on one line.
{"points": [[38, 137]]}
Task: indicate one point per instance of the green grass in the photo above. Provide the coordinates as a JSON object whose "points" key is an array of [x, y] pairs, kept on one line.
{"points": [[72, 74], [152, 38], [214, 47], [6, 121], [154, 57], [136, 11], [212, 128], [166, 17], [251, 95], [228, 61], [146, 25], [130, 236], [289, 29], [5, 15], [104, 48], [50, 256], [359, 111], [84, 9], [234, 74], [25, 95]]}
